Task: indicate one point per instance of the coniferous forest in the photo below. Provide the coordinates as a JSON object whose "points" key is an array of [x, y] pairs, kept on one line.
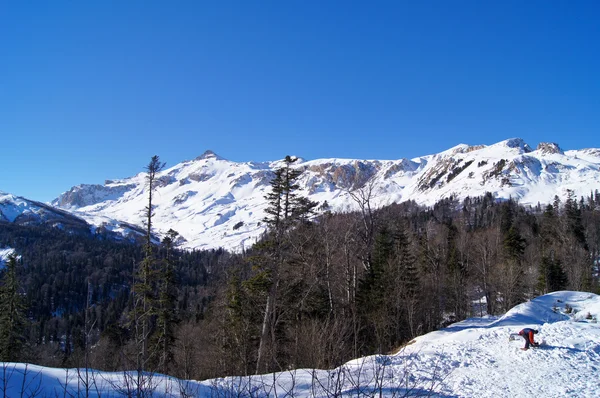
{"points": [[318, 289]]}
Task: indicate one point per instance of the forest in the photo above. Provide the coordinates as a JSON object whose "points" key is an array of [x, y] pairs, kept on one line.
{"points": [[318, 289]]}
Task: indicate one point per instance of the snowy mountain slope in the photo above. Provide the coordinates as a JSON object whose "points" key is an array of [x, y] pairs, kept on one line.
{"points": [[487, 364], [473, 358], [23, 211], [213, 202]]}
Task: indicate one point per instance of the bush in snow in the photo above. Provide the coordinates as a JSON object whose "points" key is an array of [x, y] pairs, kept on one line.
{"points": [[568, 309]]}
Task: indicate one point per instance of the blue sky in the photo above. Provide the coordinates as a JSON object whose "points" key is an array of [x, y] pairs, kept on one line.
{"points": [[90, 90]]}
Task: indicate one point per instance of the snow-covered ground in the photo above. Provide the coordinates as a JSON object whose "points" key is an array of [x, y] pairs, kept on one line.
{"points": [[473, 358]]}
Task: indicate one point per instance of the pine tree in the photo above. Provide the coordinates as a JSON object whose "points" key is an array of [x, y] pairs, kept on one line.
{"points": [[514, 244], [240, 323], [513, 288], [373, 289], [456, 273], [284, 211], [406, 262], [575, 224], [144, 291], [285, 206], [552, 277], [274, 209], [12, 317], [166, 317], [370, 291]]}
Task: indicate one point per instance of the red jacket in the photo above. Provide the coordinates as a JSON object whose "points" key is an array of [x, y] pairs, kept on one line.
{"points": [[528, 333]]}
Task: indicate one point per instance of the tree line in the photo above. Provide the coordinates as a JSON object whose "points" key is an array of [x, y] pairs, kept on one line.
{"points": [[318, 289]]}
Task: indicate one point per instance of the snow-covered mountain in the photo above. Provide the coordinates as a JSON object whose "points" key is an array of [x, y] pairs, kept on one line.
{"points": [[473, 358], [214, 202], [22, 211]]}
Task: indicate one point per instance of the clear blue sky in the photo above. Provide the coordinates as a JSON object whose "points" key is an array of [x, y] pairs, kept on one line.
{"points": [[90, 90]]}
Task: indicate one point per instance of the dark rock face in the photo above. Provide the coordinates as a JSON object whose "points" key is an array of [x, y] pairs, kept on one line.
{"points": [[549, 148], [518, 143], [209, 155]]}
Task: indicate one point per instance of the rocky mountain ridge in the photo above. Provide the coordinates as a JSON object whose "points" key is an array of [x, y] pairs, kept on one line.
{"points": [[213, 202]]}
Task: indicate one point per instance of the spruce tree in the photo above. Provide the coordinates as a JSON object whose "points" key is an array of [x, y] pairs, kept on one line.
{"points": [[370, 290], [166, 316], [274, 208], [514, 250], [285, 206], [552, 277], [144, 293], [373, 290], [574, 221], [284, 211], [456, 274], [12, 317], [409, 279]]}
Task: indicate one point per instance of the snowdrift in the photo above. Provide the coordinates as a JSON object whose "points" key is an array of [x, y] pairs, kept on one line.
{"points": [[472, 358]]}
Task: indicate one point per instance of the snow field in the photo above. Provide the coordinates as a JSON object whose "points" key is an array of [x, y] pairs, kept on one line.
{"points": [[487, 364]]}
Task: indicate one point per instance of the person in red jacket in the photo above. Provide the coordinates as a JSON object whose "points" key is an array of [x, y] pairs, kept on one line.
{"points": [[527, 334]]}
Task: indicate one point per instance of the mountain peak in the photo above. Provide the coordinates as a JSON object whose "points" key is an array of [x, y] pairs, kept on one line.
{"points": [[464, 148], [208, 154], [549, 148], [517, 143]]}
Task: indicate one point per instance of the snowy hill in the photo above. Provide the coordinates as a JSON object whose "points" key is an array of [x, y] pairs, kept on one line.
{"points": [[485, 363], [473, 358], [214, 202], [22, 211]]}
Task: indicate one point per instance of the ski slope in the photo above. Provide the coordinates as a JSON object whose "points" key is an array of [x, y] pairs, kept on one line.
{"points": [[472, 358]]}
